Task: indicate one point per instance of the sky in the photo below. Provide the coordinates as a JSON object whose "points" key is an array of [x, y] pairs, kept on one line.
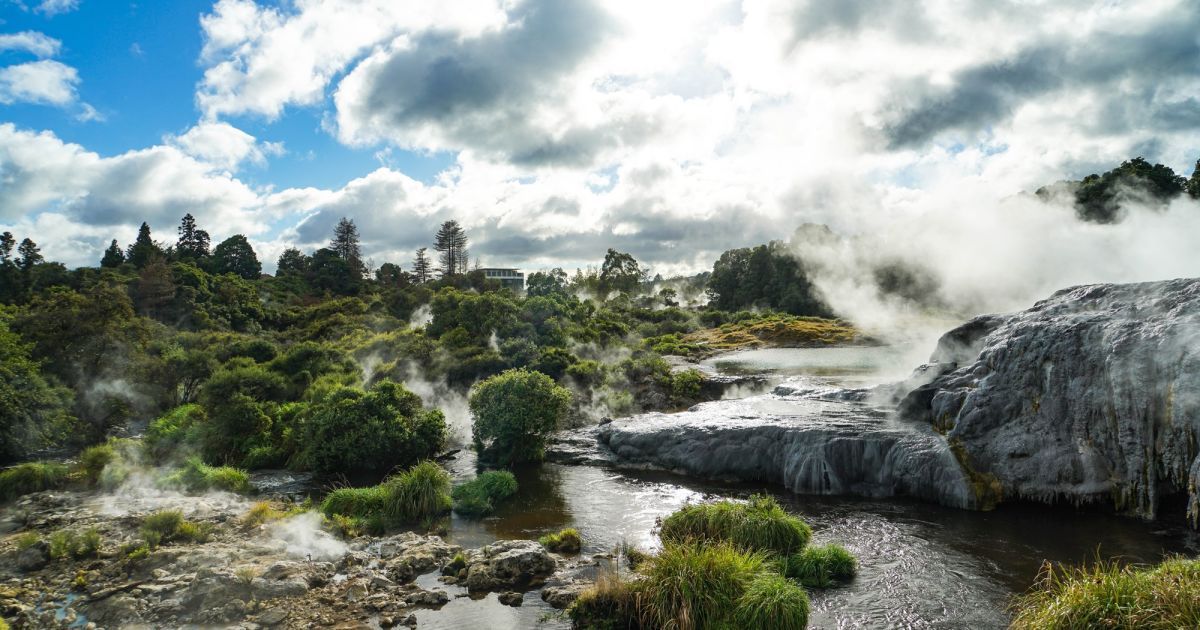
{"points": [[555, 129]]}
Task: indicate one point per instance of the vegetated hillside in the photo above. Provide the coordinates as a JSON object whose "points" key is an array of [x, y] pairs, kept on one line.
{"points": [[1101, 198]]}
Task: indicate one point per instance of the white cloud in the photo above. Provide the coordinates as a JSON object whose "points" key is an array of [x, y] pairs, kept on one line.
{"points": [[32, 42], [47, 82], [223, 145], [55, 7]]}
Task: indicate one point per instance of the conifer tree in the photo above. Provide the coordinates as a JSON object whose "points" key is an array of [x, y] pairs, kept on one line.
{"points": [[143, 249], [346, 243], [113, 256], [193, 242], [421, 267], [451, 245]]}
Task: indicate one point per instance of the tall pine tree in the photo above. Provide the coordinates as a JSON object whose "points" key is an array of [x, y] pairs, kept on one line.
{"points": [[143, 249], [451, 245], [193, 242], [346, 243], [113, 256], [422, 270]]}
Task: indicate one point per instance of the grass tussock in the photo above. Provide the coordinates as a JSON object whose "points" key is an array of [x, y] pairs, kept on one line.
{"points": [[759, 524], [31, 477], [69, 544], [820, 566], [414, 496], [480, 496], [775, 329], [696, 585], [260, 514], [169, 526], [196, 476], [563, 541], [611, 604], [772, 601], [1110, 595]]}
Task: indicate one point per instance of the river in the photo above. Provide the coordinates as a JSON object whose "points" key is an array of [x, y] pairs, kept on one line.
{"points": [[921, 565]]}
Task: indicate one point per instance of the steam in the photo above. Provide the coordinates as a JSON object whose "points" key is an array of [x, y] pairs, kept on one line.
{"points": [[421, 317], [440, 395], [305, 539], [964, 257]]}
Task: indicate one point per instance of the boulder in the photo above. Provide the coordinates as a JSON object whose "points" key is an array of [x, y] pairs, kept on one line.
{"points": [[508, 564], [33, 557]]}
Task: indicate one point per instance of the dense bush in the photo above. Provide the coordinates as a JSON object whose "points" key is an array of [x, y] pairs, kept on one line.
{"points": [[33, 413], [479, 496], [514, 414], [173, 432], [1110, 595], [414, 496], [31, 477], [759, 524], [350, 430], [196, 476]]}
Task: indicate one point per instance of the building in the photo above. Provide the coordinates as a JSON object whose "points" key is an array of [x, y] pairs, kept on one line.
{"points": [[510, 278]]}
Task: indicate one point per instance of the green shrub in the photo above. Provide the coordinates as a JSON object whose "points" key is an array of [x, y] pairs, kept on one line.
{"points": [[820, 566], [259, 514], [354, 502], [70, 544], [696, 585], [94, 459], [174, 432], [514, 414], [772, 602], [1109, 595], [563, 541], [349, 430], [196, 476], [685, 386], [479, 497], [31, 477], [169, 525], [611, 604], [413, 496], [27, 540], [760, 524]]}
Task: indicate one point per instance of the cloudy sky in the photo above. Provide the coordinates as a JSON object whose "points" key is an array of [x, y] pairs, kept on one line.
{"points": [[553, 129]]}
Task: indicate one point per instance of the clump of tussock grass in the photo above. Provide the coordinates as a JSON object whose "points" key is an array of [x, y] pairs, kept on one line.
{"points": [[772, 601], [169, 526], [696, 585], [196, 476], [31, 477], [759, 524], [563, 541], [1111, 595], [610, 604], [66, 543], [416, 495], [260, 514], [820, 566], [478, 497]]}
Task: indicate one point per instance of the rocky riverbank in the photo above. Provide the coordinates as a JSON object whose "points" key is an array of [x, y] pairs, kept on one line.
{"points": [[287, 573]]}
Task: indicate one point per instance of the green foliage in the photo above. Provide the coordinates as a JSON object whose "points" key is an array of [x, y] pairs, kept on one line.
{"points": [[685, 386], [195, 476], [234, 255], [33, 413], [563, 541], [27, 539], [759, 524], [94, 459], [772, 601], [820, 566], [349, 430], [169, 526], [478, 497], [1099, 198], [611, 604], [66, 544], [696, 586], [514, 414], [31, 477], [410, 497], [1110, 595], [172, 433], [767, 276]]}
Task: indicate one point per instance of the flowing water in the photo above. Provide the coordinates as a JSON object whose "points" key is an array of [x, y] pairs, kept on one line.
{"points": [[921, 565]]}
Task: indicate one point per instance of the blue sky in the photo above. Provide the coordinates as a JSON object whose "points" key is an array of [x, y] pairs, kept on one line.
{"points": [[554, 129]]}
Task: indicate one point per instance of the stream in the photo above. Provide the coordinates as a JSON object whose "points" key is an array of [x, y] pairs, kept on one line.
{"points": [[921, 565]]}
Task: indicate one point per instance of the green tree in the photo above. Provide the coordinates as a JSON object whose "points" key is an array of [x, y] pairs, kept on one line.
{"points": [[155, 288], [346, 244], [330, 272], [547, 283], [1099, 198], [11, 285], [766, 276], [235, 255], [193, 242], [451, 245], [31, 255], [113, 256], [143, 248], [33, 413], [515, 412], [422, 271], [292, 262], [391, 276], [352, 431], [620, 272]]}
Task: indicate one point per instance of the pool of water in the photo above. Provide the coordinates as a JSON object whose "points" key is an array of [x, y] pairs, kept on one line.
{"points": [[921, 565]]}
